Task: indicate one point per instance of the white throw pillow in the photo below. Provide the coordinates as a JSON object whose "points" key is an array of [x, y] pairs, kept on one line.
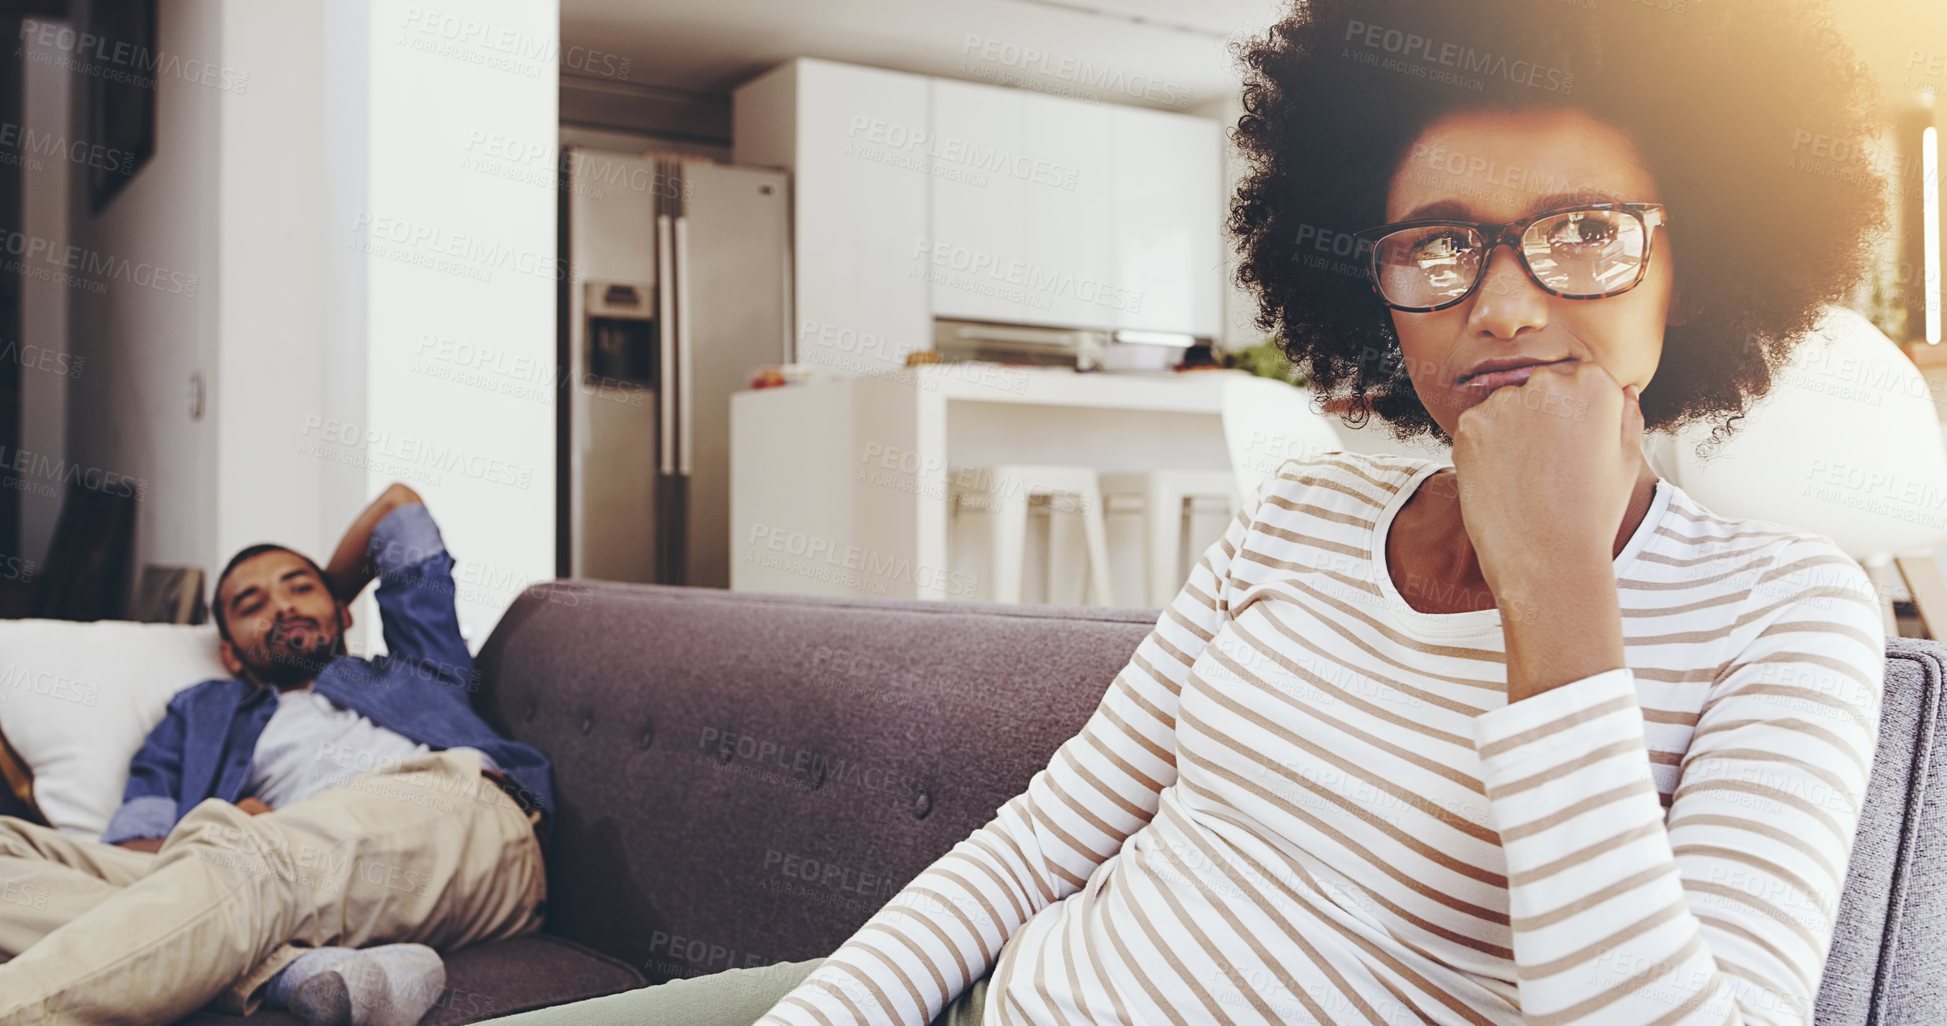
{"points": [[76, 700]]}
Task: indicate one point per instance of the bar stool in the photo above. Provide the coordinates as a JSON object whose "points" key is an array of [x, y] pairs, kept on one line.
{"points": [[1005, 490], [1167, 498]]}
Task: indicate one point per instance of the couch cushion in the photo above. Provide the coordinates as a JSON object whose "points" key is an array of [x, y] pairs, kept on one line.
{"points": [[491, 980], [746, 778], [76, 700]]}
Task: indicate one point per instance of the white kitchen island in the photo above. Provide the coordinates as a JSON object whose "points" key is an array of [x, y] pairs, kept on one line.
{"points": [[839, 487]]}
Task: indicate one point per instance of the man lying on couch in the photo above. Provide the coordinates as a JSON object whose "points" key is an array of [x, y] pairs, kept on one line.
{"points": [[312, 803]]}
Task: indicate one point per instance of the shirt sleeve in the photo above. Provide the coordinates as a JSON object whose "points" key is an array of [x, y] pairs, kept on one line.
{"points": [[154, 784], [945, 929], [1724, 911], [416, 591]]}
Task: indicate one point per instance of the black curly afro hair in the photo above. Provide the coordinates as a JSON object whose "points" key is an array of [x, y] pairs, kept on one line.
{"points": [[1751, 115]]}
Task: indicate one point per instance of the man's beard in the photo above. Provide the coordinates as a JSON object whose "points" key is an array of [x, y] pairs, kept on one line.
{"points": [[287, 666]]}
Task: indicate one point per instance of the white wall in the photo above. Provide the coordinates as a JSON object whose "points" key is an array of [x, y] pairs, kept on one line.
{"points": [[129, 418], [366, 290], [269, 228], [47, 370], [449, 246]]}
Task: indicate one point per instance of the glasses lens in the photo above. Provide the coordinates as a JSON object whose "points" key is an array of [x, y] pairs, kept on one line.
{"points": [[1429, 266], [1584, 253]]}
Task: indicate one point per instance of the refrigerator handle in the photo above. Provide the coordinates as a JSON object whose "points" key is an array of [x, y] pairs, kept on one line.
{"points": [[666, 330], [685, 380]]}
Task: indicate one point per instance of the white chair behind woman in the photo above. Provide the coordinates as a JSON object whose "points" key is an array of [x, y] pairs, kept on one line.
{"points": [[1847, 444], [1267, 422]]}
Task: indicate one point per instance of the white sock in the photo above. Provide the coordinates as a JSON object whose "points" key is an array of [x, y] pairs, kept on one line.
{"points": [[388, 985]]}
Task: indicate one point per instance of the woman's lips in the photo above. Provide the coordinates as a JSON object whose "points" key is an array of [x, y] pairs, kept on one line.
{"points": [[1492, 380]]}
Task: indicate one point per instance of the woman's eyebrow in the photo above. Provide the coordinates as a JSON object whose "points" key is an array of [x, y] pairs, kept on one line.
{"points": [[1438, 209], [1581, 197], [1457, 210]]}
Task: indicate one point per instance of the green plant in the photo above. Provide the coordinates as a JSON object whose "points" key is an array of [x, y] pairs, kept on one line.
{"points": [[1266, 360]]}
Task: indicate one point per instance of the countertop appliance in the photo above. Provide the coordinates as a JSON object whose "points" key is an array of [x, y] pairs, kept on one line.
{"points": [[679, 286]]}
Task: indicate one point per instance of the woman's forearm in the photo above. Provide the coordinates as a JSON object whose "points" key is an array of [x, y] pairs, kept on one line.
{"points": [[1562, 622]]}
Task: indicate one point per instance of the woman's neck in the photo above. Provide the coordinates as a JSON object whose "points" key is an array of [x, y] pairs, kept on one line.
{"points": [[1432, 559]]}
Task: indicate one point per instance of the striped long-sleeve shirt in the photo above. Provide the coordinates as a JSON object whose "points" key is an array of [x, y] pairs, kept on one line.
{"points": [[1305, 800]]}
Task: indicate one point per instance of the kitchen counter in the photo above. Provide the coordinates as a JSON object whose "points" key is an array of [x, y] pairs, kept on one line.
{"points": [[840, 486]]}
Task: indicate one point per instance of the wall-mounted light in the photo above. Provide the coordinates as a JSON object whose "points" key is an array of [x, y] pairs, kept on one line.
{"points": [[1930, 231]]}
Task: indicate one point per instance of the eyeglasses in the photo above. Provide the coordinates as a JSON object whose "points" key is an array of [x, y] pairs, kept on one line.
{"points": [[1586, 252]]}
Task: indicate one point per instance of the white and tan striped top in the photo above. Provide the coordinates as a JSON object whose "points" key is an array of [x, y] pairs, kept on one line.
{"points": [[1305, 801]]}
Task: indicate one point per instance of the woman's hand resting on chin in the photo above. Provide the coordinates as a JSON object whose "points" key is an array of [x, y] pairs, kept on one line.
{"points": [[1547, 469]]}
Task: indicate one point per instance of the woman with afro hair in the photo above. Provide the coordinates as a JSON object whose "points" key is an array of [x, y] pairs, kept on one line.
{"points": [[1534, 738]]}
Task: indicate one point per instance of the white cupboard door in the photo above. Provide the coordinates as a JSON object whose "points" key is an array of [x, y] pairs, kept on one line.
{"points": [[1071, 212], [1168, 197], [860, 215], [976, 256]]}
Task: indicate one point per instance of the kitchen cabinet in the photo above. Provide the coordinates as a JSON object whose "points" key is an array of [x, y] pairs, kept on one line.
{"points": [[1071, 218], [978, 241], [1168, 214], [919, 198], [854, 141], [1058, 212]]}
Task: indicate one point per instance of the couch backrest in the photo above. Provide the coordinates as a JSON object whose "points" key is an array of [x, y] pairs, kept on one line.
{"points": [[745, 778]]}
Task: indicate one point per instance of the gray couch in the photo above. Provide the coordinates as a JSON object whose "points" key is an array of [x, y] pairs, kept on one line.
{"points": [[745, 778]]}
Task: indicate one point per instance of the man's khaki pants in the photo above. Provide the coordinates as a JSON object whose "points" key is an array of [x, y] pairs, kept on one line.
{"points": [[427, 851]]}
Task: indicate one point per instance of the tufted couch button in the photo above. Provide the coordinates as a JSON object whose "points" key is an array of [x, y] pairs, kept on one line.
{"points": [[922, 805], [725, 754], [817, 776], [587, 723], [532, 708], [648, 735]]}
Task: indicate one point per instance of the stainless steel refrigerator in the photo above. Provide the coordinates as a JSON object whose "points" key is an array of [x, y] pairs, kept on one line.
{"points": [[678, 287]]}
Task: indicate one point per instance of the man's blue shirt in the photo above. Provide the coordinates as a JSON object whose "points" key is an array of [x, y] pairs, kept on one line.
{"points": [[421, 689]]}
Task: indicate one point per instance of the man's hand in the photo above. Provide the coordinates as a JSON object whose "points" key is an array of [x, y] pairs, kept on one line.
{"points": [[150, 845], [253, 806], [349, 572]]}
